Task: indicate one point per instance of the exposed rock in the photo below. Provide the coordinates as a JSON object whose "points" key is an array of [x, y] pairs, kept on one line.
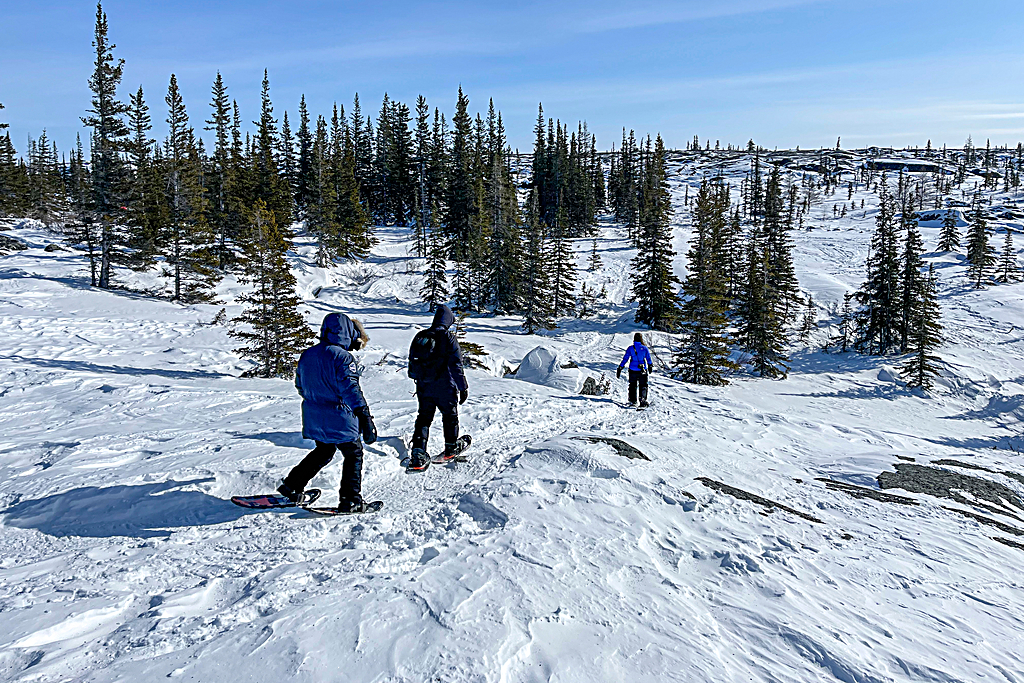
{"points": [[621, 447], [53, 247], [9, 244], [754, 498], [934, 481], [864, 492]]}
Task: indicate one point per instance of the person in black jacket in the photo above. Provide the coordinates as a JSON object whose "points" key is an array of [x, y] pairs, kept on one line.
{"points": [[334, 412], [435, 362]]}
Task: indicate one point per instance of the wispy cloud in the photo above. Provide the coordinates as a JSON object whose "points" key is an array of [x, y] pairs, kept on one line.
{"points": [[660, 13]]}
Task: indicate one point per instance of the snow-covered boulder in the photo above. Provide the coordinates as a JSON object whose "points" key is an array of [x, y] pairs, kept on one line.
{"points": [[543, 366]]}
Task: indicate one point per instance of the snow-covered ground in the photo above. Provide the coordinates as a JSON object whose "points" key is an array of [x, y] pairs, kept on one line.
{"points": [[549, 556]]}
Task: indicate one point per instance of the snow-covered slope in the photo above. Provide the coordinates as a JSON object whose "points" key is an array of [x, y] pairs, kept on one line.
{"points": [[557, 553]]}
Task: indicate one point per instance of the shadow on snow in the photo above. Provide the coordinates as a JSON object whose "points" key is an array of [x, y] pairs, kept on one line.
{"points": [[146, 511]]}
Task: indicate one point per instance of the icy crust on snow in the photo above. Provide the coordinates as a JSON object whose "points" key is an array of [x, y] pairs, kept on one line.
{"points": [[543, 366], [549, 555]]}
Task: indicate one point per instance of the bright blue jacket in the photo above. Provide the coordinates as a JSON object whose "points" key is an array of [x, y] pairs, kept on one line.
{"points": [[328, 381], [637, 356]]}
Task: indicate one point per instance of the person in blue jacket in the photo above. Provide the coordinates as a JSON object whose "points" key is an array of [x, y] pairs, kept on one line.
{"points": [[334, 412], [435, 362], [639, 359]]}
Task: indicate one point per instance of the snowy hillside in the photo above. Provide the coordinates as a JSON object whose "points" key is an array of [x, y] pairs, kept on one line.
{"points": [[744, 536]]}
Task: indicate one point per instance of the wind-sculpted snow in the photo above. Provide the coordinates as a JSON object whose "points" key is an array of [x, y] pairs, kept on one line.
{"points": [[548, 556]]}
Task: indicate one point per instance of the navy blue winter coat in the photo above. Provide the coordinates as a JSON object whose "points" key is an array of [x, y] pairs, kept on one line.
{"points": [[453, 378], [328, 381]]}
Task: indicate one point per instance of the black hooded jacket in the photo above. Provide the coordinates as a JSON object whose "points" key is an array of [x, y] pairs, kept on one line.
{"points": [[453, 378]]}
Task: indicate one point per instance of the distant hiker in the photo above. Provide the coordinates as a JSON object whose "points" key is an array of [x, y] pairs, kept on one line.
{"points": [[435, 362], [640, 366], [334, 412]]}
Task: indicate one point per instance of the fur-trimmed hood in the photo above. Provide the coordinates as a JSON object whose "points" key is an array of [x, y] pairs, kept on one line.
{"points": [[340, 330]]}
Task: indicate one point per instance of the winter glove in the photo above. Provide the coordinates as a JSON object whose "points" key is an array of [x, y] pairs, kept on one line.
{"points": [[618, 373], [463, 395], [366, 426]]}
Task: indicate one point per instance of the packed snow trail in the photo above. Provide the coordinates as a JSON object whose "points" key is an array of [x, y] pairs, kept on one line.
{"points": [[548, 556]]}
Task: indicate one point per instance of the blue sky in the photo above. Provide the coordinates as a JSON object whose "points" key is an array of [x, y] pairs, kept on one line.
{"points": [[783, 72]]}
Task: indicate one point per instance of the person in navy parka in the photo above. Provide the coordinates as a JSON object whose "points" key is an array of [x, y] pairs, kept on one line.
{"points": [[334, 412], [639, 359], [440, 385]]}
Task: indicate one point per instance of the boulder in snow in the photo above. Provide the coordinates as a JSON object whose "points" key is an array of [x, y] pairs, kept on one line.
{"points": [[542, 366]]}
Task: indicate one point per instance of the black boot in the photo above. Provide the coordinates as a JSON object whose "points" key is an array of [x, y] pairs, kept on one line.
{"points": [[289, 493]]}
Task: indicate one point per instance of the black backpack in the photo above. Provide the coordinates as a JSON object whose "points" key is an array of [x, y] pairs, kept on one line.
{"points": [[426, 357]]}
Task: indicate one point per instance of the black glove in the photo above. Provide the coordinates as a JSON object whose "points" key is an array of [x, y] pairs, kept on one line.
{"points": [[618, 373], [463, 395], [366, 426]]}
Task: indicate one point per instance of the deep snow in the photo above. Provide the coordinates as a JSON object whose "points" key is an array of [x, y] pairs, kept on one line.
{"points": [[124, 429]]}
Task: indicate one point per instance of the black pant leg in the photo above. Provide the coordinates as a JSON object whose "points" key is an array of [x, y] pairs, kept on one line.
{"points": [[421, 432], [351, 472], [643, 387], [634, 379], [450, 418], [315, 460]]}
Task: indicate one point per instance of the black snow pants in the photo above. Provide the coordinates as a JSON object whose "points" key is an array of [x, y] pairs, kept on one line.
{"points": [[449, 407], [318, 458], [637, 379]]}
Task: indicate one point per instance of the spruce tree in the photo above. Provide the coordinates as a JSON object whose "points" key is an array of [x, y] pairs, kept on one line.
{"points": [[321, 199], [912, 279], [13, 181], [537, 314], [809, 322], [355, 230], [980, 254], [1009, 270], [949, 236], [703, 353], [843, 339], [435, 281], [653, 283], [108, 138], [267, 181], [146, 208], [502, 209], [761, 330], [925, 337], [879, 295], [274, 331], [219, 180], [304, 170], [188, 246], [461, 204]]}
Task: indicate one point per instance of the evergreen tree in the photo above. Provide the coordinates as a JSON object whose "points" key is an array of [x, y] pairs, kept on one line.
{"points": [[925, 337], [809, 323], [321, 200], [13, 180], [435, 284], [461, 204], [654, 284], [108, 138], [502, 210], [218, 180], [594, 260], [268, 184], [355, 232], [188, 246], [562, 268], [949, 236], [537, 314], [879, 296], [276, 331], [844, 338], [1009, 270], [703, 353], [912, 283], [761, 328], [145, 204], [288, 165], [980, 254], [304, 171]]}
